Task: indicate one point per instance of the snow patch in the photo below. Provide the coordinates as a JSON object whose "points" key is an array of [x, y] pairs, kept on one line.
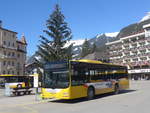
{"points": [[145, 17], [76, 49], [114, 34], [74, 42], [38, 58], [99, 35]]}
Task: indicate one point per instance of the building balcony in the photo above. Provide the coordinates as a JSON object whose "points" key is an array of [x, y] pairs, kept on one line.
{"points": [[7, 47], [141, 41], [6, 57], [139, 63], [133, 43], [21, 50], [127, 52], [134, 51], [142, 48], [115, 54], [148, 39], [147, 46]]}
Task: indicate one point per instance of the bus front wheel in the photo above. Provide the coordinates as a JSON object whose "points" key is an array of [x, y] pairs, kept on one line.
{"points": [[90, 93]]}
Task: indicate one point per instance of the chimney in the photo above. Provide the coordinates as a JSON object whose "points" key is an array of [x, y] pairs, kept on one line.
{"points": [[0, 23]]}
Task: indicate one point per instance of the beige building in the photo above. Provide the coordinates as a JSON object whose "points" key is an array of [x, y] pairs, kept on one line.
{"points": [[12, 53], [132, 51]]}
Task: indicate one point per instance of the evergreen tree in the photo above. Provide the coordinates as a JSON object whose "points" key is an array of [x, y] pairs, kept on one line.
{"points": [[58, 32], [94, 48], [85, 48]]}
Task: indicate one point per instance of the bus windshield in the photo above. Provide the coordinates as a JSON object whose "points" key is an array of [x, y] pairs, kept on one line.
{"points": [[56, 75], [56, 79]]}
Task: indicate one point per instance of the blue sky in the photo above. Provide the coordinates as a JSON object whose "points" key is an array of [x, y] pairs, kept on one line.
{"points": [[86, 18]]}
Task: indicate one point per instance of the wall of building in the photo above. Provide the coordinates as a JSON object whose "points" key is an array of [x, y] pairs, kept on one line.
{"points": [[12, 53], [132, 51]]}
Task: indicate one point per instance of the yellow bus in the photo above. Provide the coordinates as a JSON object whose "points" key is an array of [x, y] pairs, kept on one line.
{"points": [[16, 81], [82, 78]]}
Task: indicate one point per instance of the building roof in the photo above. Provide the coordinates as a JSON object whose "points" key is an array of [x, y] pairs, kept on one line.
{"points": [[146, 26], [23, 39], [8, 30], [96, 56], [113, 42]]}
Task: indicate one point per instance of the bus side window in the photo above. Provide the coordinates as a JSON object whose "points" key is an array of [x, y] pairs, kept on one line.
{"points": [[78, 77]]}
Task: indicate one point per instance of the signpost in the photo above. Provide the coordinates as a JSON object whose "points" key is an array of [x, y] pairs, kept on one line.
{"points": [[36, 80], [35, 83]]}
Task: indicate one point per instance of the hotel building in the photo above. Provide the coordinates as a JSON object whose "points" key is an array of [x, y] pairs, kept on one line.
{"points": [[132, 51], [12, 53]]}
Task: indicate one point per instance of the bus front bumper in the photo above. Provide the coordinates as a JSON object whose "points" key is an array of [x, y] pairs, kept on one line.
{"points": [[48, 93]]}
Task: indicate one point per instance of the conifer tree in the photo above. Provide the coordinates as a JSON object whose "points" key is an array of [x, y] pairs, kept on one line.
{"points": [[58, 34], [85, 49]]}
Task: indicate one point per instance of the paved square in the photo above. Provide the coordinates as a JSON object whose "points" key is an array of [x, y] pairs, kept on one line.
{"points": [[135, 100]]}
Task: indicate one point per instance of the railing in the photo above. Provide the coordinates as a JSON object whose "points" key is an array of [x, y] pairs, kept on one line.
{"points": [[133, 33], [2, 56], [21, 50]]}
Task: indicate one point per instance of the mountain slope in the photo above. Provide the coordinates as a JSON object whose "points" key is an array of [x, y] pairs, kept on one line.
{"points": [[133, 28]]}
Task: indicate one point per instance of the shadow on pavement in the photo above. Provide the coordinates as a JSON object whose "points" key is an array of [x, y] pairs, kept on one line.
{"points": [[74, 101]]}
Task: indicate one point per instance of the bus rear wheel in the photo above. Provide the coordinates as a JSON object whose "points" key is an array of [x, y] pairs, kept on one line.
{"points": [[116, 89], [19, 86], [90, 93]]}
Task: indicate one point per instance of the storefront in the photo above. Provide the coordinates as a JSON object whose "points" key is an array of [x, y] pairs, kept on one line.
{"points": [[139, 74]]}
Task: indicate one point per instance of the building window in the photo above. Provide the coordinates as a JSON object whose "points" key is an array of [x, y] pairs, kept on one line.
{"points": [[8, 62], [4, 72], [18, 47], [18, 55], [13, 63], [18, 73], [4, 63], [13, 72], [13, 54], [4, 42], [4, 53], [143, 58], [13, 45], [4, 33], [8, 44], [136, 59], [9, 54], [13, 35]]}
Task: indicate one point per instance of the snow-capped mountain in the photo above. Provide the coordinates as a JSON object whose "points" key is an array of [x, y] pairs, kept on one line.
{"points": [[99, 40], [114, 34], [146, 17], [77, 46]]}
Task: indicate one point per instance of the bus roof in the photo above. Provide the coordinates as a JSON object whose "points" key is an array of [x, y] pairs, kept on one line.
{"points": [[7, 75], [88, 61], [95, 62]]}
